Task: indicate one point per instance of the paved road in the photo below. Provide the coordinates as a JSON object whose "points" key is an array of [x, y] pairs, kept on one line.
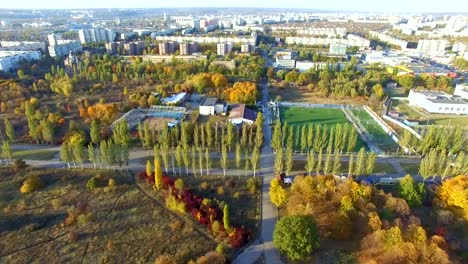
{"points": [[269, 212]]}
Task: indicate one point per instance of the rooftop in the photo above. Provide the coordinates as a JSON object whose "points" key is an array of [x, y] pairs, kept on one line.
{"points": [[209, 101], [240, 111], [439, 97], [175, 98]]}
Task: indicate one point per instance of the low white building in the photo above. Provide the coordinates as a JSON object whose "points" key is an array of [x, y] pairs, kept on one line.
{"points": [[282, 63], [9, 60], [461, 90], [303, 66], [175, 99], [212, 106], [240, 114], [438, 102]]}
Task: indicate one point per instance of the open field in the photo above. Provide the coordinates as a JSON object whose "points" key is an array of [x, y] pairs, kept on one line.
{"points": [[298, 116], [377, 134], [64, 221], [303, 94], [34, 154], [423, 117]]}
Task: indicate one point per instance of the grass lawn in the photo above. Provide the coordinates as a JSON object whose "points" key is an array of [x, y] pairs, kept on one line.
{"points": [[34, 154], [301, 115], [412, 169], [298, 116], [377, 134], [419, 114], [65, 222], [304, 94]]}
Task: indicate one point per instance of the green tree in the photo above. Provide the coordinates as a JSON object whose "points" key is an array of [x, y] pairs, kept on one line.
{"points": [[243, 141], [259, 130], [165, 156], [149, 168], [209, 135], [200, 161], [370, 163], [255, 160], [94, 133], [226, 219], [9, 131], [289, 159], [230, 135], [6, 151], [238, 156], [78, 153], [310, 137], [410, 191], [276, 141], [360, 167], [310, 163], [336, 163], [319, 161], [224, 158], [207, 162], [121, 132], [47, 130], [279, 164], [296, 236], [351, 164], [328, 163], [186, 159], [65, 153], [179, 158], [193, 161], [92, 155], [246, 162], [303, 138], [158, 182], [352, 140]]}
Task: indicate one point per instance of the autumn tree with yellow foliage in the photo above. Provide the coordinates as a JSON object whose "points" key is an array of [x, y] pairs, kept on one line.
{"points": [[453, 193], [278, 195], [242, 92]]}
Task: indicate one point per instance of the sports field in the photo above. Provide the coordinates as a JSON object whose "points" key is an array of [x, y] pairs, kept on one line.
{"points": [[298, 116], [377, 134]]}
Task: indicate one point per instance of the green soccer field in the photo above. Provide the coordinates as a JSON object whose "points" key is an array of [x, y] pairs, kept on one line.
{"points": [[298, 116], [377, 134]]}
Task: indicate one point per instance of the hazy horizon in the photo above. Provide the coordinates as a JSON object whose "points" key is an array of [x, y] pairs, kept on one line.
{"points": [[400, 6]]}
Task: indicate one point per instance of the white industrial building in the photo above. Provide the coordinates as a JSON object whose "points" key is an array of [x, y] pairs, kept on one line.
{"points": [[9, 60], [212, 106], [438, 102], [303, 66], [461, 90]]}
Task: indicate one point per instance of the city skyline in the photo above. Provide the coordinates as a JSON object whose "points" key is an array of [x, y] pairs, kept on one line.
{"points": [[431, 6]]}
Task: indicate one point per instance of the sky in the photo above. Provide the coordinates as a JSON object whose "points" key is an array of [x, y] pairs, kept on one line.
{"points": [[410, 6]]}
